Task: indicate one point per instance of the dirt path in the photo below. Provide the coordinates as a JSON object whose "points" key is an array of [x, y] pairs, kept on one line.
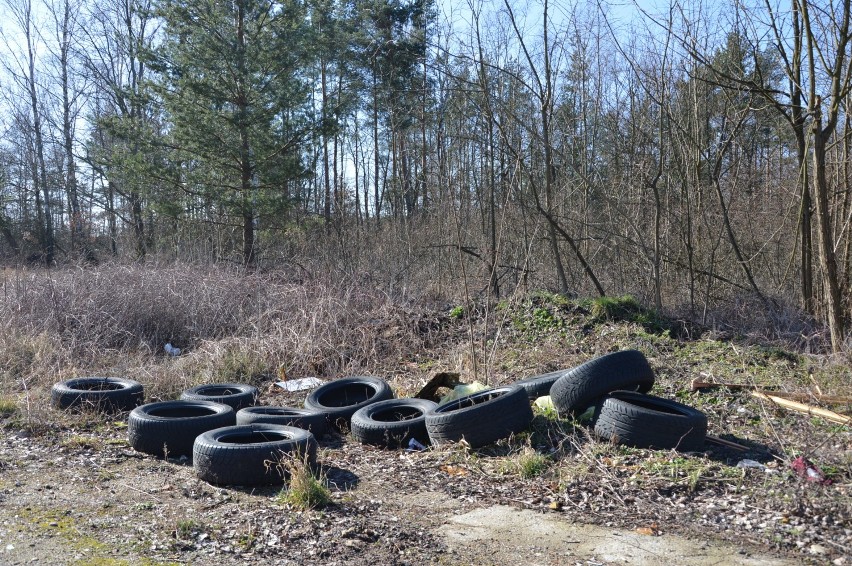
{"points": [[506, 535], [86, 498]]}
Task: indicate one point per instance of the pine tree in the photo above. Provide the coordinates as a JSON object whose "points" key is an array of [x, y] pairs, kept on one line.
{"points": [[232, 89]]}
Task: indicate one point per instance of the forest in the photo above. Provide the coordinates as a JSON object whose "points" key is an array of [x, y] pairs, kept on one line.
{"points": [[694, 156]]}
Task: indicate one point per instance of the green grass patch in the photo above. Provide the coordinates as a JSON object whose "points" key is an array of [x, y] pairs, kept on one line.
{"points": [[527, 464], [186, 529], [305, 490]]}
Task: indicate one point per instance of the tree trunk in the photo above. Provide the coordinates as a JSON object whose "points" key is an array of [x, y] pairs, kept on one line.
{"points": [[78, 244], [827, 256], [40, 174]]}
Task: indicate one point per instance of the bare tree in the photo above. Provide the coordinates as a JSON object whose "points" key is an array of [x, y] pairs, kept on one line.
{"points": [[23, 70]]}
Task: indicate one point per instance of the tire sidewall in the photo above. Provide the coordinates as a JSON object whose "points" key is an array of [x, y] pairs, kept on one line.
{"points": [[245, 396], [307, 419], [679, 427], [340, 416], [257, 463], [128, 395], [148, 432], [391, 433]]}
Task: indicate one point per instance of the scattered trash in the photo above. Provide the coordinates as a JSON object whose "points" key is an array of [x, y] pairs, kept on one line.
{"points": [[587, 415], [451, 470], [442, 379], [545, 404], [299, 384], [463, 390], [810, 471], [652, 530], [414, 445], [171, 350], [752, 464]]}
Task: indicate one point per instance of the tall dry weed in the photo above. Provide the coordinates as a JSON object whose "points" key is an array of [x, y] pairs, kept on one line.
{"points": [[231, 326]]}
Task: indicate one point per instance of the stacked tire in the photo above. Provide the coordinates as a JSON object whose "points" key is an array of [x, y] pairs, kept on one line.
{"points": [[615, 386]]}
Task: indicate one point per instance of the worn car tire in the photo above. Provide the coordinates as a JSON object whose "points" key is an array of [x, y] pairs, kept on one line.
{"points": [[392, 423], [581, 387], [539, 385], [289, 416], [481, 418], [340, 399], [645, 421], [236, 395], [254, 454], [109, 394], [174, 425]]}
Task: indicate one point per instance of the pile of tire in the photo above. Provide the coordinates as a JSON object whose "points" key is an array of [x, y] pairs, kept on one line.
{"points": [[615, 386], [234, 441], [230, 441]]}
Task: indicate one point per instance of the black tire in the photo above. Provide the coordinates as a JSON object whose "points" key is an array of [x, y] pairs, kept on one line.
{"points": [[645, 421], [174, 425], [307, 419], [235, 395], [539, 385], [392, 423], [340, 399], [583, 386], [255, 454], [481, 418], [109, 394]]}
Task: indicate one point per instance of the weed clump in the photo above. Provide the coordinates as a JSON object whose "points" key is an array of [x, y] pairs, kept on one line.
{"points": [[305, 490], [527, 464]]}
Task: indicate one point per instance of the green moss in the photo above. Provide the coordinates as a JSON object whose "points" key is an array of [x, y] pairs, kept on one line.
{"points": [[61, 524], [457, 312]]}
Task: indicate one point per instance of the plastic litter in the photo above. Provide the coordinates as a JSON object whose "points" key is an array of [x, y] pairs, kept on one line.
{"points": [[463, 390], [414, 445], [808, 470], [299, 384], [545, 404], [171, 350], [752, 464]]}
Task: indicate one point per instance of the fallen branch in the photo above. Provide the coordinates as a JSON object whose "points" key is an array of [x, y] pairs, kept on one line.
{"points": [[728, 443], [697, 384], [802, 408]]}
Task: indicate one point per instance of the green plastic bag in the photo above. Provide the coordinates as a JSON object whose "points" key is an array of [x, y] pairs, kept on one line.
{"points": [[462, 390]]}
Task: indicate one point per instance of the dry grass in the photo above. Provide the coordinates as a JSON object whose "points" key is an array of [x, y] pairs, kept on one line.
{"points": [[115, 320]]}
